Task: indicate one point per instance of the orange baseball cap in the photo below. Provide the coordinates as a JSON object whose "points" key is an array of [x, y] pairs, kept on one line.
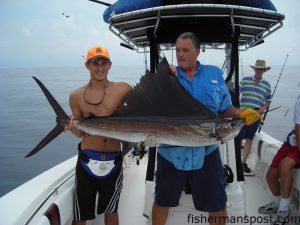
{"points": [[97, 52]]}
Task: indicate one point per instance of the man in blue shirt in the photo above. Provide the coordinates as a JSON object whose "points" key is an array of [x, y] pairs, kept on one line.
{"points": [[200, 166]]}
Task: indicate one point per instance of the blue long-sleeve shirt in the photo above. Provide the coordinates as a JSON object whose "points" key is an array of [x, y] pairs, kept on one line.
{"points": [[208, 87]]}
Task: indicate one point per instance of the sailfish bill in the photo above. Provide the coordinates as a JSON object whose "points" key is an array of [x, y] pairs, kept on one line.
{"points": [[157, 110]]}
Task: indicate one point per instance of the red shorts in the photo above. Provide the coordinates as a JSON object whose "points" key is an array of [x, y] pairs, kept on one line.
{"points": [[286, 151]]}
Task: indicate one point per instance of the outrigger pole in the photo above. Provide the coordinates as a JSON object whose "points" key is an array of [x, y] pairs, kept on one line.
{"points": [[265, 115], [152, 150], [100, 2], [236, 99]]}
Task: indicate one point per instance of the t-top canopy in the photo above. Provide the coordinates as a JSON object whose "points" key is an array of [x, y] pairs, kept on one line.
{"points": [[213, 23]]}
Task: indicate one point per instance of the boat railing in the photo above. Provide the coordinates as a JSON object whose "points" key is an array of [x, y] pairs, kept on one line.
{"points": [[51, 193]]}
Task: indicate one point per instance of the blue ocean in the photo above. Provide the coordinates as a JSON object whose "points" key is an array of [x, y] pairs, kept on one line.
{"points": [[26, 117]]}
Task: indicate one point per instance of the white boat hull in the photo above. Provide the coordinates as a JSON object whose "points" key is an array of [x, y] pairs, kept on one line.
{"points": [[28, 203]]}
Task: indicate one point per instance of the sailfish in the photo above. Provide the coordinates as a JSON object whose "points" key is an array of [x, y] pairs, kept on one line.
{"points": [[157, 110]]}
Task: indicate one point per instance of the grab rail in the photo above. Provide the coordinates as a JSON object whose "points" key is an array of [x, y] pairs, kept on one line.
{"points": [[48, 196]]}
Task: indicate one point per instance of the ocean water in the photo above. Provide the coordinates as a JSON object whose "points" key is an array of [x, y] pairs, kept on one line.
{"points": [[26, 117]]}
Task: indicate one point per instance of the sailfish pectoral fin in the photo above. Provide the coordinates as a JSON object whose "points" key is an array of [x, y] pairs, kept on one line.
{"points": [[152, 140], [50, 136], [61, 116], [126, 147], [217, 136], [220, 132]]}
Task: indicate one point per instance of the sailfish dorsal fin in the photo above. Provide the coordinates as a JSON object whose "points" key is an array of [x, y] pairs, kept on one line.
{"points": [[161, 94]]}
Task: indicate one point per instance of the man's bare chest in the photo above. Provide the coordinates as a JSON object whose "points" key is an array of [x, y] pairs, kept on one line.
{"points": [[104, 109]]}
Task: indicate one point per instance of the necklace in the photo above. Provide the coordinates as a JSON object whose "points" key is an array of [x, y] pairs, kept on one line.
{"points": [[92, 103]]}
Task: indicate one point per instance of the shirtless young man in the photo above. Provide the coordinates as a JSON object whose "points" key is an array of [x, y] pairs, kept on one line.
{"points": [[100, 97]]}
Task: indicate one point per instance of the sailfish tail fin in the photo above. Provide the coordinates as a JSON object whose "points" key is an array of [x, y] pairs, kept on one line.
{"points": [[60, 116]]}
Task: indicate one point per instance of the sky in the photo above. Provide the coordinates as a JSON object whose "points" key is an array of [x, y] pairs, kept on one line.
{"points": [[35, 33]]}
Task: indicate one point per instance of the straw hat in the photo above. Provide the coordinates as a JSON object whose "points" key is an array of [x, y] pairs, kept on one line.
{"points": [[260, 64]]}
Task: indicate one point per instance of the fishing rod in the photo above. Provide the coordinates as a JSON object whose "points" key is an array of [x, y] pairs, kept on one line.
{"points": [[242, 67], [266, 113], [100, 2], [286, 112], [126, 46], [289, 107], [270, 110]]}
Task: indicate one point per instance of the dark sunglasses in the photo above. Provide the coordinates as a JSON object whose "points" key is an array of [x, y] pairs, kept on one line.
{"points": [[260, 69]]}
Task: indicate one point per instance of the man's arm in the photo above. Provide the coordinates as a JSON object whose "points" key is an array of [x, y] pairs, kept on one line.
{"points": [[264, 108], [120, 90], [296, 120], [297, 128], [231, 112], [76, 114]]}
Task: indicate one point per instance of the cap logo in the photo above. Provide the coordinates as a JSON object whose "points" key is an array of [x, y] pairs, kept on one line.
{"points": [[98, 50]]}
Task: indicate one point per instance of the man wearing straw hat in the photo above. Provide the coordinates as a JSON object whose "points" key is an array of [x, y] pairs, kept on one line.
{"points": [[255, 94]]}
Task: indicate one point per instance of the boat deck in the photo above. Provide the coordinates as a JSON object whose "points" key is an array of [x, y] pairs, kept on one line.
{"points": [[131, 205], [56, 186]]}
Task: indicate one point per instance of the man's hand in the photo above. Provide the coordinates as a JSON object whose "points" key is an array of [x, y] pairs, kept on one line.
{"points": [[72, 126], [250, 116], [172, 69]]}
